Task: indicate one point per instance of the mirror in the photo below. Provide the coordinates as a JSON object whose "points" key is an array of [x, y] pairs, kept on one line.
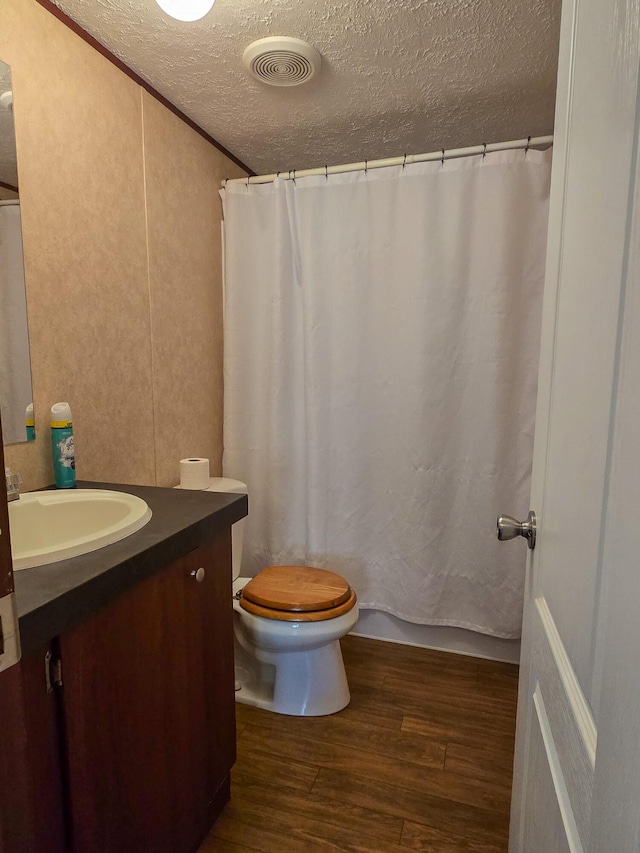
{"points": [[15, 362]]}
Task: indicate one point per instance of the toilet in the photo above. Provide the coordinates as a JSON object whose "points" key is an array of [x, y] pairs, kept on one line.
{"points": [[288, 622]]}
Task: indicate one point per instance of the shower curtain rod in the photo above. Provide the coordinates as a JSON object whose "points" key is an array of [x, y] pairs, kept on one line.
{"points": [[407, 159]]}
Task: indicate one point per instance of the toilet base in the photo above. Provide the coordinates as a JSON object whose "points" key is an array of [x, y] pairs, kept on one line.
{"points": [[310, 683]]}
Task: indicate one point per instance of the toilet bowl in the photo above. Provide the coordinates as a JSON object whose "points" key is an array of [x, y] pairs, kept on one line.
{"points": [[287, 624], [288, 656]]}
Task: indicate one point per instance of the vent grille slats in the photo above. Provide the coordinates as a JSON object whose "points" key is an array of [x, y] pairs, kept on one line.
{"points": [[281, 68], [282, 61]]}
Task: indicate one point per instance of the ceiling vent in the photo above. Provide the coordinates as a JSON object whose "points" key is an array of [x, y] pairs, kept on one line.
{"points": [[282, 60]]}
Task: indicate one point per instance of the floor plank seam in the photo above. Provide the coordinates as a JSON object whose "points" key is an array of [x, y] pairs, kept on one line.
{"points": [[417, 762]]}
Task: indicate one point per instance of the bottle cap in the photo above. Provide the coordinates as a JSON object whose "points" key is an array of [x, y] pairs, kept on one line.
{"points": [[61, 415]]}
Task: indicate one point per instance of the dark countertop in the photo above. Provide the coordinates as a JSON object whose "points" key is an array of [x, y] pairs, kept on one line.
{"points": [[51, 598]]}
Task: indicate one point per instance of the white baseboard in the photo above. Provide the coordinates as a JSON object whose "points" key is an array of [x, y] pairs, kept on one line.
{"points": [[378, 625]]}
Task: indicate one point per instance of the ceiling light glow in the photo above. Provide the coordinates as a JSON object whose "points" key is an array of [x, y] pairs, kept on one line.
{"points": [[186, 10]]}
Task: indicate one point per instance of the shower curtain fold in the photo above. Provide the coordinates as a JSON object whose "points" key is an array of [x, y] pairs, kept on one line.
{"points": [[381, 349]]}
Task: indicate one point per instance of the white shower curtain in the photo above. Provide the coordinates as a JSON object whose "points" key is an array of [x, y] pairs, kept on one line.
{"points": [[381, 350]]}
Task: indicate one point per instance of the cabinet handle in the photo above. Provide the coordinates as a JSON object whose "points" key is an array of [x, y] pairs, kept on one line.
{"points": [[198, 575]]}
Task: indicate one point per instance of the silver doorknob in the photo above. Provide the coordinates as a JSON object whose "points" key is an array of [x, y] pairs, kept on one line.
{"points": [[198, 574], [509, 528]]}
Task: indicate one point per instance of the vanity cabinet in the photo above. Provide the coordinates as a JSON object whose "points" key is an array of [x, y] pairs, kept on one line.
{"points": [[132, 749], [147, 710]]}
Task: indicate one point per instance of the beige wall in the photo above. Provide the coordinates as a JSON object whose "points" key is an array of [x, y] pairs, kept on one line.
{"points": [[121, 230]]}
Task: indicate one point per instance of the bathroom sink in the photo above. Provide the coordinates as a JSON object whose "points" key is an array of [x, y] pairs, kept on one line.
{"points": [[50, 526]]}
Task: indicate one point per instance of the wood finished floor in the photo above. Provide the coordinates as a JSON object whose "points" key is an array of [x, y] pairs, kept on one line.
{"points": [[419, 761]]}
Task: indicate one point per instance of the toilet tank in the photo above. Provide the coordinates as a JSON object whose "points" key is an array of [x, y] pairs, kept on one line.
{"points": [[234, 487]]}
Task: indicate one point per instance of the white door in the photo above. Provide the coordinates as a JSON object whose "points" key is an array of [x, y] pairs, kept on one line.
{"points": [[580, 668]]}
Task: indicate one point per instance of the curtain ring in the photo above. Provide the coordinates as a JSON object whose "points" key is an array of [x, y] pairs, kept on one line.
{"points": [[442, 159], [326, 173], [247, 181], [484, 153], [365, 166], [294, 177], [527, 146], [404, 162]]}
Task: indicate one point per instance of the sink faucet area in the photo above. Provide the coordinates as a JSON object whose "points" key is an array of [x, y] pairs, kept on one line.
{"points": [[13, 482], [50, 526]]}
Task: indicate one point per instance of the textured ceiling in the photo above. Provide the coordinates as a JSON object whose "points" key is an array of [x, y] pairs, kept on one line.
{"points": [[398, 76]]}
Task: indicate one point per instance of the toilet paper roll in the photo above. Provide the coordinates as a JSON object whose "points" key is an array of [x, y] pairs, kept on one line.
{"points": [[194, 473]]}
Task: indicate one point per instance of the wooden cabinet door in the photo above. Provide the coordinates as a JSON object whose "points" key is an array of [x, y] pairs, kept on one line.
{"points": [[31, 801], [216, 641], [203, 746], [148, 710]]}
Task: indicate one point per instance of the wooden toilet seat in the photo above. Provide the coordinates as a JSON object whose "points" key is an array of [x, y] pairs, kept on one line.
{"points": [[297, 594]]}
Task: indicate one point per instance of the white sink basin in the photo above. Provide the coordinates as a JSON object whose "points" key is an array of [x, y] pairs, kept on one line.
{"points": [[47, 527]]}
